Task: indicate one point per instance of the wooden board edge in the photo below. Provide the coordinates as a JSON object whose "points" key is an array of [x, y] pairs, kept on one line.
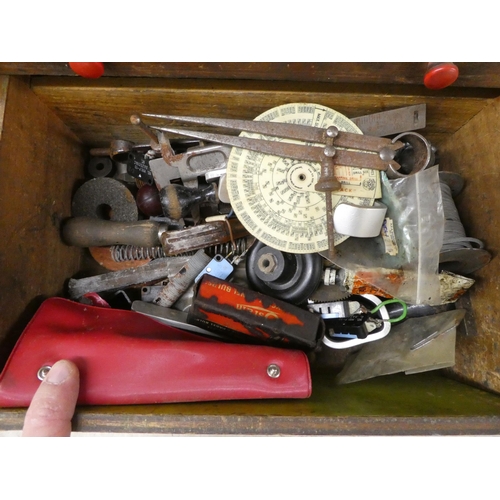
{"points": [[273, 426], [4, 86]]}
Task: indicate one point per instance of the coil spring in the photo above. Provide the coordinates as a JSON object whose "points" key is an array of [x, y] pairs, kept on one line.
{"points": [[225, 249], [123, 253]]}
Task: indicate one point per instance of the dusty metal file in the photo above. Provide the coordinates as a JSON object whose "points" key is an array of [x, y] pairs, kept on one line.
{"points": [[394, 121]]}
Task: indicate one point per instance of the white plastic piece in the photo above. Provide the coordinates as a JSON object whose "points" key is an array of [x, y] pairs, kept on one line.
{"points": [[360, 222], [344, 344], [222, 193], [215, 218], [329, 276]]}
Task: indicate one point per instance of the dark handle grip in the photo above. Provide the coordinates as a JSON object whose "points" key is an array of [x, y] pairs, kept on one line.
{"points": [[88, 232]]}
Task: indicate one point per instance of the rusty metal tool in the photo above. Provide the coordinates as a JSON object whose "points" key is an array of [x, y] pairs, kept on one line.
{"points": [[208, 160], [136, 120], [348, 149], [328, 147], [118, 149], [202, 236], [179, 283], [150, 273], [393, 121], [85, 232], [171, 317]]}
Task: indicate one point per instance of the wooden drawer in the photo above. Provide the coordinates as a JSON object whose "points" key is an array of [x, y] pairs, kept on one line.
{"points": [[486, 75], [48, 124]]}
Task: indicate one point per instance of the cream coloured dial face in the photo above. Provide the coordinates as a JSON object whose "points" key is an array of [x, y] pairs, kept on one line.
{"points": [[274, 197]]}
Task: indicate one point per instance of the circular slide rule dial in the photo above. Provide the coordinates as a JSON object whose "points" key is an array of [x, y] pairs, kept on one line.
{"points": [[274, 197]]}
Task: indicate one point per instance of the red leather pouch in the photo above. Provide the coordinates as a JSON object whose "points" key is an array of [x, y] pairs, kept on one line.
{"points": [[125, 357]]}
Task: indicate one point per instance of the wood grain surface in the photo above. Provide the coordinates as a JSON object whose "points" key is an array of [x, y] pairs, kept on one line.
{"points": [[40, 159], [474, 152], [471, 74], [48, 125], [4, 85], [98, 111], [422, 404]]}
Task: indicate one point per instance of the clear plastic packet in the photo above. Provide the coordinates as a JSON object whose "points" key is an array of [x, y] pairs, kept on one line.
{"points": [[414, 346], [403, 260]]}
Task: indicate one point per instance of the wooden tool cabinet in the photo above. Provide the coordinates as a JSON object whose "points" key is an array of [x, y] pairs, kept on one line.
{"points": [[49, 118]]}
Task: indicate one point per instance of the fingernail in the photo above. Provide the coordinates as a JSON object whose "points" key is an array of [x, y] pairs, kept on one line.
{"points": [[58, 373]]}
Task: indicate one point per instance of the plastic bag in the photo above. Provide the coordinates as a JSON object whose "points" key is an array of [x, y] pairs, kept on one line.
{"points": [[414, 346], [404, 260]]}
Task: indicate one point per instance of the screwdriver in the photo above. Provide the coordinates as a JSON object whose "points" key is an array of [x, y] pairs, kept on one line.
{"points": [[86, 232]]}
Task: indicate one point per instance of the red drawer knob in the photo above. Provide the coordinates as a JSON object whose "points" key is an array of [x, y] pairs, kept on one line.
{"points": [[440, 75], [87, 69]]}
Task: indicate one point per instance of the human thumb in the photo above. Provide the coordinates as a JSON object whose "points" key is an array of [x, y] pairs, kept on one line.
{"points": [[54, 402]]}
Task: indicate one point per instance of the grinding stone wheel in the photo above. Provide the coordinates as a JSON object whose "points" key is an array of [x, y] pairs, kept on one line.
{"points": [[105, 198]]}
